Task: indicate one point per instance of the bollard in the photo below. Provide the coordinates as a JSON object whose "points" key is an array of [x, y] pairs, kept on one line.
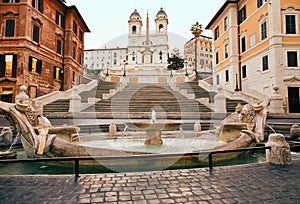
{"points": [[112, 129], [280, 152], [197, 127]]}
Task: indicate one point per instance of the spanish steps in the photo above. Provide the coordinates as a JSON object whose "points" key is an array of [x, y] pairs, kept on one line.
{"points": [[136, 100]]}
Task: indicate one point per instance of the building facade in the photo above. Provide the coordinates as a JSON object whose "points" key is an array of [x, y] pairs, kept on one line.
{"points": [[144, 47], [41, 46], [256, 45], [103, 59], [204, 53]]}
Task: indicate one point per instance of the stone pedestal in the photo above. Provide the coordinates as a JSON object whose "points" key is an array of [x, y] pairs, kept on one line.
{"points": [[75, 103], [153, 137], [220, 102], [276, 102], [295, 132], [280, 152]]}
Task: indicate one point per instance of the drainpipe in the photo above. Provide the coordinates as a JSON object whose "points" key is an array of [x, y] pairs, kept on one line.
{"points": [[63, 53], [238, 78]]}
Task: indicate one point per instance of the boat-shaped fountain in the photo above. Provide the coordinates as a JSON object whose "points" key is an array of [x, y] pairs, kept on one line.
{"points": [[242, 128]]}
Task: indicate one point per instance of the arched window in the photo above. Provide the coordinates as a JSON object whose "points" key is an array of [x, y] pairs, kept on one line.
{"points": [[161, 28], [133, 29]]}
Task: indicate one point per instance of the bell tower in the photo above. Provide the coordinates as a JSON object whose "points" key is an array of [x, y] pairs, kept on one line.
{"points": [[161, 22], [135, 23]]}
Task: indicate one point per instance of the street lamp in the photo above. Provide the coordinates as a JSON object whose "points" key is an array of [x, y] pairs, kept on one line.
{"points": [[186, 73], [125, 63], [107, 69]]}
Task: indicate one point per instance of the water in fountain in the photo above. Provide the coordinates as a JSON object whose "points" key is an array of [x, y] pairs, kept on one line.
{"points": [[14, 142], [269, 126]]}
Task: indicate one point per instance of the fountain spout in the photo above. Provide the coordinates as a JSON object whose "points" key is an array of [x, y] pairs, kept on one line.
{"points": [[153, 116]]}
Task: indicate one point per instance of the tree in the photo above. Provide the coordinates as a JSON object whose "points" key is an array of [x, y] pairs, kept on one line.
{"points": [[175, 61], [196, 30]]}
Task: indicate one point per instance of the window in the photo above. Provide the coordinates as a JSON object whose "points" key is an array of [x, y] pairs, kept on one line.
{"points": [[36, 34], [8, 65], [73, 76], [226, 51], [57, 73], [216, 33], [242, 15], [81, 35], [60, 19], [80, 57], [10, 28], [260, 3], [75, 27], [290, 24], [58, 46], [227, 75], [225, 23], [217, 57], [244, 71], [252, 40], [265, 63], [74, 53], [243, 42], [10, 1], [35, 65], [292, 59], [133, 29], [218, 79], [263, 30], [38, 4]]}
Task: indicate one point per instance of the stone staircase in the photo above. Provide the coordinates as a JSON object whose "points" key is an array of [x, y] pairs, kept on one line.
{"points": [[137, 101], [97, 92], [200, 93], [63, 105]]}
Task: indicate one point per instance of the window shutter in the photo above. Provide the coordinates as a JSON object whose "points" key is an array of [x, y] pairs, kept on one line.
{"points": [[63, 21], [57, 18], [39, 67], [54, 72], [14, 66], [41, 5], [33, 3], [30, 64], [2, 65]]}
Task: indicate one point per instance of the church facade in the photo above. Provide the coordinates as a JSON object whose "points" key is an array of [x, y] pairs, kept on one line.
{"points": [[144, 48]]}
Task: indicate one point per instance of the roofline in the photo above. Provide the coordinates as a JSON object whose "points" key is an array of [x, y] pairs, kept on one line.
{"points": [[108, 49], [79, 15], [203, 36], [219, 12]]}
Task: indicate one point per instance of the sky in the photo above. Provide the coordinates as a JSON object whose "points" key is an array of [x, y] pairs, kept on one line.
{"points": [[108, 19]]}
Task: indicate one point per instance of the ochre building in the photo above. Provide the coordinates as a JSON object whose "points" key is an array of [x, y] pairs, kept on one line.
{"points": [[41, 46], [256, 46]]}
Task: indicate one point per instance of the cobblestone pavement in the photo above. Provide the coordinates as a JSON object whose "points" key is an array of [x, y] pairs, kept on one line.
{"points": [[252, 183]]}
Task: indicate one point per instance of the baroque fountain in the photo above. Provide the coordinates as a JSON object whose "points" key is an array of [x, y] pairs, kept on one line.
{"points": [[243, 128]]}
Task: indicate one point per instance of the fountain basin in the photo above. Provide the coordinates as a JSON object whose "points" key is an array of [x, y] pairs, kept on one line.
{"points": [[153, 129]]}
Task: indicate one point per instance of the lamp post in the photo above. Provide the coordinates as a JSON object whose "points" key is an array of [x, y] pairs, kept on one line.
{"points": [[160, 56], [107, 69], [186, 73], [236, 82], [125, 63]]}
